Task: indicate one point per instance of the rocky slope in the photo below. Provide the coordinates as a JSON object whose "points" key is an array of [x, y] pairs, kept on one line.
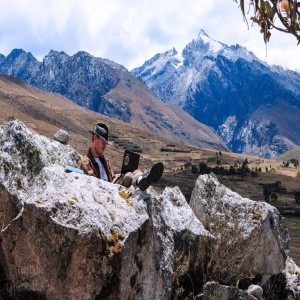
{"points": [[46, 113], [70, 236], [254, 107], [108, 88]]}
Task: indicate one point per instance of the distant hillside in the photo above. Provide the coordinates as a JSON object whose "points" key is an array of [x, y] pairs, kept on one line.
{"points": [[254, 107], [46, 113], [295, 153], [108, 88]]}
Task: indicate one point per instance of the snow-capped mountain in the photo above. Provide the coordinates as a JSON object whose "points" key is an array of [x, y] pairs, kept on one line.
{"points": [[254, 107]]}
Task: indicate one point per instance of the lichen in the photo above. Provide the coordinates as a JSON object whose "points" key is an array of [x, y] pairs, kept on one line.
{"points": [[39, 201], [112, 216], [113, 242], [75, 199], [125, 195]]}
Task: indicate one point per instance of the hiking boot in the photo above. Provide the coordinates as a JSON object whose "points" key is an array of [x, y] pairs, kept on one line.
{"points": [[151, 176]]}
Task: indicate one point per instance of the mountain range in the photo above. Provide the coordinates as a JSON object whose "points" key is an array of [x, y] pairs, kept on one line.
{"points": [[246, 105], [108, 88], [254, 107]]}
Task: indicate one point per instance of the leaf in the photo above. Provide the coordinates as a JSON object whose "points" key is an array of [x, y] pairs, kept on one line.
{"points": [[254, 19]]}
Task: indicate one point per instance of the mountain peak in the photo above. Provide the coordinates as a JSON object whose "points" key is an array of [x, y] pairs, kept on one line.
{"points": [[56, 53], [201, 34], [214, 45], [16, 53]]}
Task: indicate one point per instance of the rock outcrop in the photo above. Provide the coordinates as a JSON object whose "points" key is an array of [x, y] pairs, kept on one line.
{"points": [[252, 237], [71, 236]]}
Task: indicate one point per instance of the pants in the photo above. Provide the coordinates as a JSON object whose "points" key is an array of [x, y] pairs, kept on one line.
{"points": [[129, 178]]}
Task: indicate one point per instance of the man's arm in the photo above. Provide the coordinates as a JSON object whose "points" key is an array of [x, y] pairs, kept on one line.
{"points": [[86, 165], [111, 171]]}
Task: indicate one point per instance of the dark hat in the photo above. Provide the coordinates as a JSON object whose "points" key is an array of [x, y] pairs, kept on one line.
{"points": [[101, 130]]}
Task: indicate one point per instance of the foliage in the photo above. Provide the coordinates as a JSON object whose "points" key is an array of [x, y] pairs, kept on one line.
{"points": [[269, 190], [195, 170], [218, 157], [203, 168], [188, 164], [265, 14], [285, 164], [126, 144], [295, 162], [175, 150], [211, 160]]}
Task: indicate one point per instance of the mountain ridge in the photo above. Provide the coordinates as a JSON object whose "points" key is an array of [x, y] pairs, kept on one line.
{"points": [[216, 86], [108, 88]]}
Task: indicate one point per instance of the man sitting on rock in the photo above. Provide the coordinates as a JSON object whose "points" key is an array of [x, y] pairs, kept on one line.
{"points": [[95, 164]]}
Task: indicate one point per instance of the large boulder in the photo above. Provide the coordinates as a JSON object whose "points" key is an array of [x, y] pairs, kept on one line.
{"points": [[252, 239], [71, 236]]}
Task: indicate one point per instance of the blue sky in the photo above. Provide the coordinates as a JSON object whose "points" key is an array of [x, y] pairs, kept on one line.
{"points": [[132, 31]]}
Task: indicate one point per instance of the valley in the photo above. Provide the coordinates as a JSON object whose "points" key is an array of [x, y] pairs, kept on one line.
{"points": [[46, 113]]}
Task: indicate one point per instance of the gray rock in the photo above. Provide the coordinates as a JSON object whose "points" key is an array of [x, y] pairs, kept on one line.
{"points": [[61, 136], [292, 274], [215, 290], [252, 238], [255, 291], [24, 155], [78, 237]]}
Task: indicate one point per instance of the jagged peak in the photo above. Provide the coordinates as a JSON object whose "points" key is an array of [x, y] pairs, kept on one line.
{"points": [[16, 53], [201, 34], [173, 51], [56, 53], [215, 45], [162, 56], [82, 53]]}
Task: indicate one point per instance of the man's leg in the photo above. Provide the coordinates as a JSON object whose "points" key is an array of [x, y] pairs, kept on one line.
{"points": [[129, 178], [142, 180], [151, 176]]}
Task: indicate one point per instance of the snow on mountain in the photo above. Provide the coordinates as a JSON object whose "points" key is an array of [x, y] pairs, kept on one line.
{"points": [[217, 83]]}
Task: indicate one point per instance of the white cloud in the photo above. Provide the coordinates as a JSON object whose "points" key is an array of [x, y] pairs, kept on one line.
{"points": [[131, 31]]}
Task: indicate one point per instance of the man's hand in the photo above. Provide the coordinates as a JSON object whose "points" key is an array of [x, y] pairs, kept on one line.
{"points": [[86, 166]]}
